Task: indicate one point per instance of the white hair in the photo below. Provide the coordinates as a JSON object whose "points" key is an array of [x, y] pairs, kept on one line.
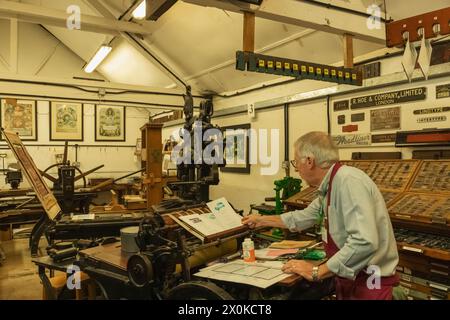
{"points": [[317, 145]]}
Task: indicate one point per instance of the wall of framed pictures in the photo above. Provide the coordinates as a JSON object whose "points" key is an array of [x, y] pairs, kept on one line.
{"points": [[66, 121], [45, 125]]}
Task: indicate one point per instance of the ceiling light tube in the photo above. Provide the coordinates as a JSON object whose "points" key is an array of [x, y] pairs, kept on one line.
{"points": [[99, 56], [141, 11]]}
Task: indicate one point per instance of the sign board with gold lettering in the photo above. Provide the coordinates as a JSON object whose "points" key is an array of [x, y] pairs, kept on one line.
{"points": [[381, 99], [341, 105], [432, 119], [443, 91], [431, 110], [383, 138]]}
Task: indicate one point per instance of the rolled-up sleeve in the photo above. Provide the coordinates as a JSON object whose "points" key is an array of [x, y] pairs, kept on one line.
{"points": [[299, 220], [358, 212]]}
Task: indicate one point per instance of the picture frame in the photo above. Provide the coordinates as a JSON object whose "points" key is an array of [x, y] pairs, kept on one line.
{"points": [[66, 121], [239, 148], [19, 116], [110, 123]]}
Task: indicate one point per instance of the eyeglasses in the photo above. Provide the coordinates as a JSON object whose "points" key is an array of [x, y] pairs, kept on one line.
{"points": [[294, 163]]}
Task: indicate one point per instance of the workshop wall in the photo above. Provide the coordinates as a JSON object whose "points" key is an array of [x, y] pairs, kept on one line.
{"points": [[408, 121], [42, 57], [118, 157], [243, 190]]}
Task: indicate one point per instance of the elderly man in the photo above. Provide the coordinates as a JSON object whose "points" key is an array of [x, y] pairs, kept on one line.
{"points": [[352, 216]]}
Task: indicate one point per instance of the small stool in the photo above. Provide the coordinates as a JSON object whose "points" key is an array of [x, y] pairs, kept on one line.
{"points": [[58, 283]]}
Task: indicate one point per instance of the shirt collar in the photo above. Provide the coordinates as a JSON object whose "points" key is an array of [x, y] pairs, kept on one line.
{"points": [[323, 188]]}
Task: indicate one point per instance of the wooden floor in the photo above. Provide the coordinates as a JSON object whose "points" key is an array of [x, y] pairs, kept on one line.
{"points": [[18, 275]]}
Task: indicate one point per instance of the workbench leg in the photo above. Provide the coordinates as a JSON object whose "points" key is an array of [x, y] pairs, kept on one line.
{"points": [[2, 254], [50, 293]]}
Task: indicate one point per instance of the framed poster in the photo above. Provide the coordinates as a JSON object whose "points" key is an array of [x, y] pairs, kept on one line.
{"points": [[109, 123], [236, 150], [66, 121], [19, 116]]}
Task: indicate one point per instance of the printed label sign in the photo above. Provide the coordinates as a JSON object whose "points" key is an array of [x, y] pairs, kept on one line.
{"points": [[341, 105], [352, 140], [443, 91], [394, 97], [384, 119]]}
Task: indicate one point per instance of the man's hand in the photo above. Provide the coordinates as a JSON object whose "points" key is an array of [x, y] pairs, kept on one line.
{"points": [[300, 267], [254, 220], [257, 220]]}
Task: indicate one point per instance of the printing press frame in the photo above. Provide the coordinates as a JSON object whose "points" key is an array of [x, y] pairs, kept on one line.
{"points": [[164, 266]]}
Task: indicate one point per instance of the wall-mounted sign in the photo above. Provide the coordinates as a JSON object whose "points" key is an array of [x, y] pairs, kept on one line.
{"points": [[356, 117], [352, 140], [431, 110], [443, 91], [370, 70], [350, 128], [437, 137], [394, 97], [385, 119], [341, 105], [383, 138], [432, 119], [341, 119]]}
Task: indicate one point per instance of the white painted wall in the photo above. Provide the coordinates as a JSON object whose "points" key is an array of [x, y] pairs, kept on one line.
{"points": [[118, 157]]}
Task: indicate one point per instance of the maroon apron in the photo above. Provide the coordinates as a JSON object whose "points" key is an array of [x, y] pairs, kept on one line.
{"points": [[347, 289]]}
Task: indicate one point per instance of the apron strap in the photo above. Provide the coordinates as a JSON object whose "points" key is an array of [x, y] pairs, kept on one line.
{"points": [[336, 167]]}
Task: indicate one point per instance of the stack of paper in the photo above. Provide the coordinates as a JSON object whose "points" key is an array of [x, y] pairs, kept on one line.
{"points": [[273, 254], [291, 244]]}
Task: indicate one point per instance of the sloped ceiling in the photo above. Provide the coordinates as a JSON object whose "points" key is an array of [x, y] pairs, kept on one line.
{"points": [[200, 43]]}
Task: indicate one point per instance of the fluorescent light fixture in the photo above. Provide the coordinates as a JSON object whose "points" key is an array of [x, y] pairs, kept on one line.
{"points": [[141, 11], [98, 58]]}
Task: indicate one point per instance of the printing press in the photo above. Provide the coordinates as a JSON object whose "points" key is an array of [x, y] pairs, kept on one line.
{"points": [[167, 255]]}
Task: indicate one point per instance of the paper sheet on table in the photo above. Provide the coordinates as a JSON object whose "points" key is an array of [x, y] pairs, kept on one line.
{"points": [[273, 254], [261, 274]]}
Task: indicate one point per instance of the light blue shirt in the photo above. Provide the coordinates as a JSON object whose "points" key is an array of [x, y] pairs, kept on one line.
{"points": [[359, 223]]}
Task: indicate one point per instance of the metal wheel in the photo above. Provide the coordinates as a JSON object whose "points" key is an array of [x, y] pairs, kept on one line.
{"points": [[198, 290], [140, 270], [46, 175]]}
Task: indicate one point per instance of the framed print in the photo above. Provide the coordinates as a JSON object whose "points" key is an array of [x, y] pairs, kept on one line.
{"points": [[109, 123], [19, 116], [236, 152], [66, 121]]}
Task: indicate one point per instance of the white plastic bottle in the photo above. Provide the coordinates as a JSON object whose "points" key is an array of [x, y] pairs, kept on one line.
{"points": [[248, 250]]}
